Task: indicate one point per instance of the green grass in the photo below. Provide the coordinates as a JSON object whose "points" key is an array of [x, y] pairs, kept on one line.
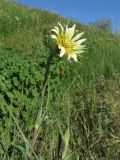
{"points": [[79, 109]]}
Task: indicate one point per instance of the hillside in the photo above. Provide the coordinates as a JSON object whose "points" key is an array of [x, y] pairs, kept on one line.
{"points": [[78, 103]]}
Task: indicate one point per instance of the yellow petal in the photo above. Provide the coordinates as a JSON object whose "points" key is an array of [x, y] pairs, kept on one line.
{"points": [[68, 57], [74, 56], [62, 52], [77, 36], [80, 41], [79, 47], [78, 52], [70, 32], [62, 29], [54, 37], [55, 30]]}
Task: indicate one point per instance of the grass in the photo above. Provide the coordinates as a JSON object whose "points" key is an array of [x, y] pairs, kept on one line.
{"points": [[79, 106]]}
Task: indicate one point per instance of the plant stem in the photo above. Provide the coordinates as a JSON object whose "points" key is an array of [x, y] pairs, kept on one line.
{"points": [[38, 119]]}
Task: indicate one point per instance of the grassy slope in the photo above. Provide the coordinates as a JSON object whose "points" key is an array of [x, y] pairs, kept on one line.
{"points": [[87, 101]]}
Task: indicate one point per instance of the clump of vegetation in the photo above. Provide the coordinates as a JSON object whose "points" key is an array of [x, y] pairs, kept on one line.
{"points": [[78, 103], [103, 24]]}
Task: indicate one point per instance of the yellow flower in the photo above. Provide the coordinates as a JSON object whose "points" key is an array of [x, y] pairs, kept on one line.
{"points": [[68, 43]]}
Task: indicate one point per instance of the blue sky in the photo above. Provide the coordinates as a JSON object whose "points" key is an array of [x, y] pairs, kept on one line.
{"points": [[85, 11]]}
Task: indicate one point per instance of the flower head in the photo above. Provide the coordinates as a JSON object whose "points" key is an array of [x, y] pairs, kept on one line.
{"points": [[68, 43]]}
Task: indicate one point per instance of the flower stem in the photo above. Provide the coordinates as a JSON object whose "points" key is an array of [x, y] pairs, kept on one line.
{"points": [[38, 119]]}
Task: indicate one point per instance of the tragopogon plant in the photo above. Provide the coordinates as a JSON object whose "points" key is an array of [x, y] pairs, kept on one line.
{"points": [[70, 44]]}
